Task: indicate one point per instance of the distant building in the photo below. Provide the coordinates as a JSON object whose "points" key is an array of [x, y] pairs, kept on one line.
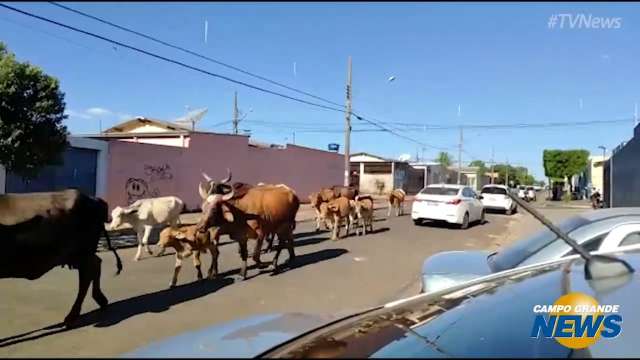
{"points": [[625, 163], [378, 175]]}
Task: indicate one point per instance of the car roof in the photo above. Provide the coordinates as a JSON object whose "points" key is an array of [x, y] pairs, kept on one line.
{"points": [[495, 185], [453, 186], [599, 214]]}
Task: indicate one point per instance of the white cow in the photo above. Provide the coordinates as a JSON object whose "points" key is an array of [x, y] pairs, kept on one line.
{"points": [[144, 214]]}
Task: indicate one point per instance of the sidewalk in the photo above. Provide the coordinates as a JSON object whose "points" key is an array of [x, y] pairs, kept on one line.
{"points": [[560, 204]]}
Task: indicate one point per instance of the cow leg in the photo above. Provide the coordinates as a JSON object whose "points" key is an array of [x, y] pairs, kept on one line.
{"points": [[145, 238], [139, 252], [176, 270], [213, 269], [318, 220], [389, 209], [197, 263], [96, 292], [244, 254], [86, 273], [257, 250], [336, 227]]}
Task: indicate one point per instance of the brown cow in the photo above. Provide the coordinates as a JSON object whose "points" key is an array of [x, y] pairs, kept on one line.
{"points": [[185, 240], [349, 192], [396, 201], [262, 209], [364, 213], [40, 231], [336, 211]]}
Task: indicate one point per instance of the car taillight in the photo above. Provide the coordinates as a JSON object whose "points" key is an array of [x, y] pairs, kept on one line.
{"points": [[454, 202]]}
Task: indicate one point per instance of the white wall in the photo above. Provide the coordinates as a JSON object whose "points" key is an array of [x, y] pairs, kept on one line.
{"points": [[368, 183]]}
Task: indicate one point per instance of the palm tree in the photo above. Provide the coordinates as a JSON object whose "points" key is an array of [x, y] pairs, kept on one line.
{"points": [[444, 159]]}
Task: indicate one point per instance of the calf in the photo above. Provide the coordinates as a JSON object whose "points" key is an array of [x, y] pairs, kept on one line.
{"points": [[396, 201], [336, 211], [317, 201], [144, 214], [364, 213], [186, 240], [40, 231]]}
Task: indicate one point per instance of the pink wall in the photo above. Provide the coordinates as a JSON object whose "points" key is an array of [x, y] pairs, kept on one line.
{"points": [[144, 170]]}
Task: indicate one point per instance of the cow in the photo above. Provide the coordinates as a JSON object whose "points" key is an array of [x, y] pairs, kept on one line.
{"points": [[396, 201], [186, 241], [258, 211], [316, 201], [40, 231], [144, 214], [349, 192], [336, 211], [364, 213]]}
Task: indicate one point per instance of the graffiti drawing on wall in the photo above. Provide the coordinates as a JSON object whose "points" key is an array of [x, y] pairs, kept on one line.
{"points": [[137, 188], [155, 173]]}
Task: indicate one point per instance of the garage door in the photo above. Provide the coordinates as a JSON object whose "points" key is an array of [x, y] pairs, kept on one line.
{"points": [[78, 170]]}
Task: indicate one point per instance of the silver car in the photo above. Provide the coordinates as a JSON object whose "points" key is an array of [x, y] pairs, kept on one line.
{"points": [[597, 230]]}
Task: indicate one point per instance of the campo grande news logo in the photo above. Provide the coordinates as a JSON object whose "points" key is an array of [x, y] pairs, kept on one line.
{"points": [[577, 321]]}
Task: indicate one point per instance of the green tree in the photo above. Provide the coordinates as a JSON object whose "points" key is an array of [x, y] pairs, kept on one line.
{"points": [[444, 159], [31, 114], [482, 169], [564, 164]]}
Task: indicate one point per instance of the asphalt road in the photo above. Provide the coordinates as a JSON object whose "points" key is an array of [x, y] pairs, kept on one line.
{"points": [[328, 277]]}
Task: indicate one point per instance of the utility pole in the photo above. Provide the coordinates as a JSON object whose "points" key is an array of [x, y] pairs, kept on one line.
{"points": [[347, 127], [635, 114], [294, 138], [460, 156], [492, 164], [235, 113], [507, 177]]}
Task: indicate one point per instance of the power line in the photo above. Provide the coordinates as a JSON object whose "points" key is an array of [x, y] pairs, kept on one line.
{"points": [[208, 72], [192, 53], [415, 126], [170, 60]]}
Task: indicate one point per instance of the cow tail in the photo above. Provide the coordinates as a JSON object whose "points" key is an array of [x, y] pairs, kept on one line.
{"points": [[118, 261]]}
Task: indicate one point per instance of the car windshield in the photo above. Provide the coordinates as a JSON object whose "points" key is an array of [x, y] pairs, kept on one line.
{"points": [[513, 255], [440, 191], [494, 190]]}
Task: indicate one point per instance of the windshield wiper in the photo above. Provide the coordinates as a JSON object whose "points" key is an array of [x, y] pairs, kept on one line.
{"points": [[596, 266]]}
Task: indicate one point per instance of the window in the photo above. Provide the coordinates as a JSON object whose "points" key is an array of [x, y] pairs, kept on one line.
{"points": [[592, 244], [494, 190], [439, 191], [631, 239], [466, 192]]}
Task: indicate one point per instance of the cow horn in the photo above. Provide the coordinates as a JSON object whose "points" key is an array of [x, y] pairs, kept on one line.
{"points": [[202, 190], [228, 178], [207, 177], [228, 196]]}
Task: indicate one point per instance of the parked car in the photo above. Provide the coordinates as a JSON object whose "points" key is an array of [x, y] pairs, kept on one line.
{"points": [[531, 193], [495, 197], [522, 192], [456, 204], [596, 230], [490, 317]]}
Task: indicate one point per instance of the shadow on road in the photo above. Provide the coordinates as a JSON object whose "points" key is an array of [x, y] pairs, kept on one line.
{"points": [[446, 225], [311, 258], [118, 311]]}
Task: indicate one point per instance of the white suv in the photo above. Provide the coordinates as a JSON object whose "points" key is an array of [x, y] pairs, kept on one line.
{"points": [[495, 197], [457, 204]]}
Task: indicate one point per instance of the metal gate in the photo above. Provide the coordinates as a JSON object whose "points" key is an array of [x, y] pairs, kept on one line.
{"points": [[78, 170]]}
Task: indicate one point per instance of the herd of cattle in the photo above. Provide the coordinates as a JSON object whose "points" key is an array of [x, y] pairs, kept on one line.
{"points": [[43, 230]]}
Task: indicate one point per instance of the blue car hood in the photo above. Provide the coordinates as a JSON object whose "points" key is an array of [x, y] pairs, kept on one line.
{"points": [[246, 337]]}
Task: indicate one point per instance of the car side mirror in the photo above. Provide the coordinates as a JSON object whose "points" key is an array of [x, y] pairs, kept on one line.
{"points": [[480, 197]]}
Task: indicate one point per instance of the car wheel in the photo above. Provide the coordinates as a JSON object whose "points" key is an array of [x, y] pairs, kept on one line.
{"points": [[417, 221], [465, 221]]}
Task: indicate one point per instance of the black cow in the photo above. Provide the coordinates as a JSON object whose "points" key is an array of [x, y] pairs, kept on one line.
{"points": [[39, 231]]}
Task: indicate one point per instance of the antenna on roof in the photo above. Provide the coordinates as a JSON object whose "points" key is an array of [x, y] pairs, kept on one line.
{"points": [[191, 118]]}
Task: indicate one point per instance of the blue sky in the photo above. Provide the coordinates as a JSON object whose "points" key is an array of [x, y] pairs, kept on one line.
{"points": [[500, 62]]}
